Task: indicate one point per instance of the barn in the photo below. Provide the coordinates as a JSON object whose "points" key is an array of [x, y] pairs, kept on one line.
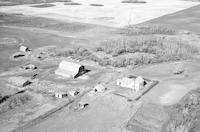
{"points": [[70, 69]]}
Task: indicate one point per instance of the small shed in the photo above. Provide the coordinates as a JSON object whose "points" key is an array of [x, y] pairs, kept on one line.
{"points": [[24, 49], [178, 69], [73, 93], [29, 67], [69, 69], [60, 95], [139, 83], [82, 105], [19, 81], [100, 88]]}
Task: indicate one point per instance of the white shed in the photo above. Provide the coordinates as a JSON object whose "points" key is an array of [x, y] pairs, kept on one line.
{"points": [[100, 88], [29, 67], [19, 81], [24, 49], [73, 93], [69, 69], [60, 95]]}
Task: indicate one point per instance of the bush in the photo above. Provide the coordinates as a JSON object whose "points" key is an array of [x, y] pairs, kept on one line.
{"points": [[133, 1], [14, 101], [135, 59], [43, 5], [185, 115], [104, 62], [147, 29], [162, 48], [79, 52], [72, 3], [96, 5]]}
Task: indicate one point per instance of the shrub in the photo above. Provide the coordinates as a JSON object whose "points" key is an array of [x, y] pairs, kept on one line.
{"points": [[134, 59], [72, 3], [14, 101], [96, 5], [145, 50], [185, 115], [133, 1], [147, 29], [104, 62], [162, 48], [79, 52], [43, 5]]}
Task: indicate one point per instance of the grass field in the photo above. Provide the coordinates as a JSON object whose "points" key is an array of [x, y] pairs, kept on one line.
{"points": [[187, 19], [184, 116]]}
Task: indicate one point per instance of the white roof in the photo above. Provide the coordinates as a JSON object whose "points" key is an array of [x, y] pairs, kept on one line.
{"points": [[23, 48], [139, 80], [68, 68]]}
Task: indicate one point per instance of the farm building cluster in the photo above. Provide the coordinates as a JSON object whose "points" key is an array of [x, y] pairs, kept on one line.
{"points": [[70, 69]]}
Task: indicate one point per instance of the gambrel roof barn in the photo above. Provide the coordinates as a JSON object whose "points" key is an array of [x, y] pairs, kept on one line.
{"points": [[69, 69]]}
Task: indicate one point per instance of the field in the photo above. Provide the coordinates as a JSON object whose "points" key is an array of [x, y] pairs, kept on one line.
{"points": [[184, 116], [107, 15], [110, 46]]}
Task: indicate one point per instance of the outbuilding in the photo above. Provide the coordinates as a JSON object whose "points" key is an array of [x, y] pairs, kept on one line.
{"points": [[179, 68], [60, 95], [70, 69], [100, 88], [29, 67], [19, 81], [24, 49], [73, 93]]}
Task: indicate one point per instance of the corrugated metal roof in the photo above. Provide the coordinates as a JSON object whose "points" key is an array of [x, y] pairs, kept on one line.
{"points": [[67, 68]]}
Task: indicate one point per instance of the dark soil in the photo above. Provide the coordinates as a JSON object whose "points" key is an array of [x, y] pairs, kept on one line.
{"points": [[43, 5], [19, 2]]}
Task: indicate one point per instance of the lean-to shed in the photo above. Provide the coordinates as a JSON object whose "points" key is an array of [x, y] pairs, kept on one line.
{"points": [[100, 88], [69, 69], [24, 49]]}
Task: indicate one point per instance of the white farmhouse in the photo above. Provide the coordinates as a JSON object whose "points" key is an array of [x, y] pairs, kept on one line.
{"points": [[134, 83]]}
